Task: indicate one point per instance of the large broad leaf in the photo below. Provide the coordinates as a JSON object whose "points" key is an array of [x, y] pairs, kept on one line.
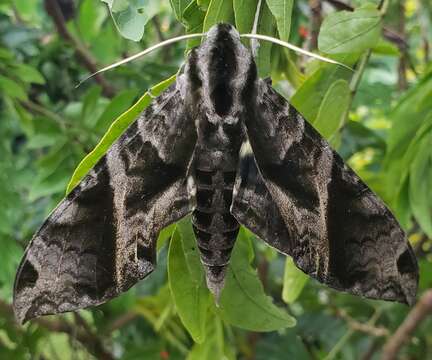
{"points": [[130, 16], [345, 31], [333, 108], [294, 282], [244, 13], [12, 88], [179, 7], [287, 345], [311, 93], [28, 74], [215, 346], [419, 185], [218, 11], [243, 301], [187, 281], [116, 129], [266, 26], [282, 10], [193, 18]]}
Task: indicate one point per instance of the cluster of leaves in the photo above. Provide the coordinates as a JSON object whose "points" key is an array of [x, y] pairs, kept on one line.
{"points": [[48, 127]]}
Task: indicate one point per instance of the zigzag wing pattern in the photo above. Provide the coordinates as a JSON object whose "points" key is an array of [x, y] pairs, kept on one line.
{"points": [[319, 211], [100, 240]]}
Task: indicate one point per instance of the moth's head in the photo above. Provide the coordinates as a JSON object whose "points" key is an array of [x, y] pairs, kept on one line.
{"points": [[221, 69], [222, 32]]}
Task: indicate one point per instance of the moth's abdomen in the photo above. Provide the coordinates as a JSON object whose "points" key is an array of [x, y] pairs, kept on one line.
{"points": [[215, 228]]}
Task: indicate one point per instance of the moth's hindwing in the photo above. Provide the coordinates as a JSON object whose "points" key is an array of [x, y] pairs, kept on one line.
{"points": [[296, 193], [100, 240]]}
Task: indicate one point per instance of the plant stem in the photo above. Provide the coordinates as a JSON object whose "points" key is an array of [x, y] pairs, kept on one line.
{"points": [[53, 10]]}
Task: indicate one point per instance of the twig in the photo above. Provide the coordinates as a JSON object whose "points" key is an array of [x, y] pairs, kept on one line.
{"points": [[373, 347], [35, 108], [360, 68], [90, 341], [353, 326], [53, 10], [316, 19], [254, 43], [422, 310], [120, 322], [367, 328], [339, 345], [418, 248], [156, 25], [340, 5], [166, 52], [402, 78]]}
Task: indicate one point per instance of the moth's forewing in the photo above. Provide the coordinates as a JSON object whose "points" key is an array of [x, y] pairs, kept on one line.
{"points": [[100, 240]]}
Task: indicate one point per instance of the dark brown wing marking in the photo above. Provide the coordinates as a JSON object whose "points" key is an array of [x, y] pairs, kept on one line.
{"points": [[100, 240], [336, 229]]}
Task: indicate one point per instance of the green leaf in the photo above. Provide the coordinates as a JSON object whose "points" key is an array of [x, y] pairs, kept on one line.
{"points": [[179, 7], [203, 4], [307, 99], [419, 185], [130, 23], [333, 108], [90, 19], [164, 235], [12, 89], [350, 31], [116, 129], [90, 102], [52, 184], [294, 282], [282, 10], [39, 141], [218, 11], [117, 5], [119, 104], [187, 281], [286, 345], [215, 346], [243, 300], [266, 26], [28, 74], [244, 13], [194, 20], [130, 17], [384, 47]]}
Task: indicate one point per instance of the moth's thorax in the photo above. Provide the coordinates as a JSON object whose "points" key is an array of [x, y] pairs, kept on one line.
{"points": [[220, 70]]}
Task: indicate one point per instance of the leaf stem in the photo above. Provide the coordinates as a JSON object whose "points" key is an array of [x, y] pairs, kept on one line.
{"points": [[254, 42]]}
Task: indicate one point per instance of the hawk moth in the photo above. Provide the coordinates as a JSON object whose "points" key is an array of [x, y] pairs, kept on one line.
{"points": [[221, 144]]}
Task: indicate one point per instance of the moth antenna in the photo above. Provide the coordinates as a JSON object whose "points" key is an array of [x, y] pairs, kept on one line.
{"points": [[295, 48], [142, 53]]}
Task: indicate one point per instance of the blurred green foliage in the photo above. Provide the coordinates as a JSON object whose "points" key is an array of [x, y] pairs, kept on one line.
{"points": [[379, 118]]}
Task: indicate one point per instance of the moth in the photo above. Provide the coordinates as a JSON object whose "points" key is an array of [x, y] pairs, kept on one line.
{"points": [[222, 145]]}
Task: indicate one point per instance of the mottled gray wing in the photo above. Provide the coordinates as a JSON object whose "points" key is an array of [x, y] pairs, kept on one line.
{"points": [[305, 202], [101, 239]]}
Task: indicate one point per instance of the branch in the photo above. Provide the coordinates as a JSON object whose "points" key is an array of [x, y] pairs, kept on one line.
{"points": [[316, 20], [166, 51], [88, 339], [402, 78], [422, 310], [121, 321], [367, 328], [53, 10]]}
